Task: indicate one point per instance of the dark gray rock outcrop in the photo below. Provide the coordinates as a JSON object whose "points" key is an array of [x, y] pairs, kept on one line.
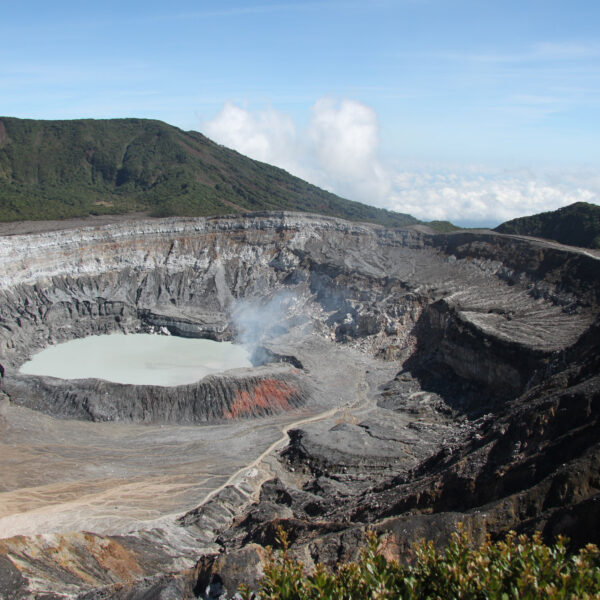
{"points": [[214, 398]]}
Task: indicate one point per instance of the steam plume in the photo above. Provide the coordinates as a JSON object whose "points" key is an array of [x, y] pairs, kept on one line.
{"points": [[256, 321]]}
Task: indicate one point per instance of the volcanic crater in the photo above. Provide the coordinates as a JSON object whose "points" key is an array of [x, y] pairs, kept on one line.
{"points": [[403, 381]]}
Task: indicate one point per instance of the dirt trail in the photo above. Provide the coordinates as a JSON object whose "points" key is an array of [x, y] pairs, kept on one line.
{"points": [[280, 442], [360, 376]]}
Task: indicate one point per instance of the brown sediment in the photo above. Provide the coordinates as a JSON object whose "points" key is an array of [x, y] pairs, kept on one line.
{"points": [[115, 558], [74, 554]]}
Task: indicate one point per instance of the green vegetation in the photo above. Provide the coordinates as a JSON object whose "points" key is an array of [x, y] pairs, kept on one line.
{"points": [[442, 226], [576, 225], [514, 568], [61, 169]]}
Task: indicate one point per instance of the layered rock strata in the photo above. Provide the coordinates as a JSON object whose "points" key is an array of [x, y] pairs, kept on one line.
{"points": [[214, 398]]}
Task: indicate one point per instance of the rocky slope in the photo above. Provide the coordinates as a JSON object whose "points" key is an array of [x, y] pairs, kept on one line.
{"points": [[265, 392], [427, 379]]}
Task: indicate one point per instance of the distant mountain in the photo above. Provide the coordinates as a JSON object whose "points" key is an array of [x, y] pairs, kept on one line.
{"points": [[576, 225], [60, 169]]}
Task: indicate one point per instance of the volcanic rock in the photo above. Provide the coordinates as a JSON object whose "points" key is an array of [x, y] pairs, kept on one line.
{"points": [[427, 380]]}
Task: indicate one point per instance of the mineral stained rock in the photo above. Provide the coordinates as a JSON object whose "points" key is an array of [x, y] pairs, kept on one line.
{"points": [[411, 381]]}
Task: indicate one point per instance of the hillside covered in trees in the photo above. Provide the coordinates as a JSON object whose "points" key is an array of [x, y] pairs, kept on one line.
{"points": [[576, 225], [61, 169]]}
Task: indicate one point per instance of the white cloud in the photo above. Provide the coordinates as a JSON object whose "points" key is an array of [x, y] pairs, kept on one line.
{"points": [[536, 53], [484, 196], [345, 139], [338, 150], [268, 136], [566, 50]]}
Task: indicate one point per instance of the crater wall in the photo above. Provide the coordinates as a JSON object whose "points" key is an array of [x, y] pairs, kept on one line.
{"points": [[489, 378], [490, 308]]}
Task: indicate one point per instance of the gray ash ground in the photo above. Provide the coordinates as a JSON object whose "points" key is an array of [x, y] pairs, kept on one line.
{"points": [[428, 380]]}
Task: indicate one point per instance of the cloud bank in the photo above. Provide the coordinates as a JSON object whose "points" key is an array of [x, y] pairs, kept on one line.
{"points": [[482, 196], [338, 150]]}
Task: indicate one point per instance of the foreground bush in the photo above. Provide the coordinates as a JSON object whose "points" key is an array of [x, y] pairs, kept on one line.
{"points": [[515, 568]]}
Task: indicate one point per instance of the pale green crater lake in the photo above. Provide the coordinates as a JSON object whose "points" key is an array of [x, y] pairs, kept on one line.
{"points": [[140, 359]]}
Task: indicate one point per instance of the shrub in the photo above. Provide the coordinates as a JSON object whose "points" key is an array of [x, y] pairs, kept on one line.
{"points": [[517, 567]]}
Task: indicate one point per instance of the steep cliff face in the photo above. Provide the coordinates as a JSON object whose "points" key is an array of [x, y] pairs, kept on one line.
{"points": [[186, 274], [414, 364]]}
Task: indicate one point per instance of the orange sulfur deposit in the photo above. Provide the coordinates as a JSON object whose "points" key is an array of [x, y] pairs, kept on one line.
{"points": [[267, 396]]}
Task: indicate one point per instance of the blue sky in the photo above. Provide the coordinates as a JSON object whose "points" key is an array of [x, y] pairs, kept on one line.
{"points": [[470, 110]]}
